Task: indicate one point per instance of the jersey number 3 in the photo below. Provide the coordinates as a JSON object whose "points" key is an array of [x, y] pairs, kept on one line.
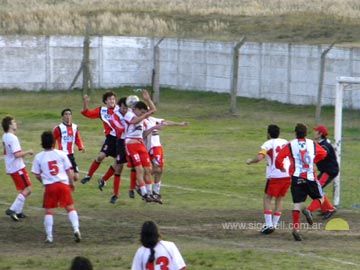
{"points": [[162, 261]]}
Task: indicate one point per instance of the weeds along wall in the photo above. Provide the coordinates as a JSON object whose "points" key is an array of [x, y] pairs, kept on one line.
{"points": [[274, 71]]}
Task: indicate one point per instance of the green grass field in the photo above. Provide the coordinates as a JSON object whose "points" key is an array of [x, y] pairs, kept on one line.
{"points": [[208, 189]]}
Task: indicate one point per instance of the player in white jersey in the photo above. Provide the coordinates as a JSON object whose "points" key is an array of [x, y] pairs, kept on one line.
{"points": [[67, 135], [277, 182], [156, 254], [153, 145], [15, 166], [52, 168]]}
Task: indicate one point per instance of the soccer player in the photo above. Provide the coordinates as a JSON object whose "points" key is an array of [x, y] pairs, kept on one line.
{"points": [[52, 168], [328, 170], [67, 135], [277, 182], [303, 154], [137, 155], [120, 155], [156, 253], [111, 129], [155, 149], [15, 166]]}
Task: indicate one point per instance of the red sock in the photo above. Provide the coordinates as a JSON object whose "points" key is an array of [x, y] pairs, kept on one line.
{"points": [[110, 172], [326, 205], [117, 181], [315, 204], [94, 166], [296, 219], [132, 179]]}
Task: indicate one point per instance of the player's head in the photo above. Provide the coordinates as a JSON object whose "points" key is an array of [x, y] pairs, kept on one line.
{"points": [[67, 110], [122, 105], [300, 131], [6, 122], [81, 263], [149, 237], [322, 132], [47, 140], [109, 98], [273, 131], [140, 108], [66, 115]]}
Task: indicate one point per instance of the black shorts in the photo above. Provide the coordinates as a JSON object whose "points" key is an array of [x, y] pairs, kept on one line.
{"points": [[109, 146], [301, 188], [121, 152], [73, 163]]}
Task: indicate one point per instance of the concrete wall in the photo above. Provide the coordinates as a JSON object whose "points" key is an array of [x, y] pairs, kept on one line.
{"points": [[281, 72]]}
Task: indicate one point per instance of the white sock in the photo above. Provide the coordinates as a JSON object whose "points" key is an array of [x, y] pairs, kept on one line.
{"points": [[157, 187], [149, 188], [48, 223], [143, 190], [276, 219], [74, 219], [18, 204], [268, 220]]}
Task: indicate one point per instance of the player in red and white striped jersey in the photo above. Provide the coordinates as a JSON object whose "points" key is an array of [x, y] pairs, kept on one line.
{"points": [[15, 166], [277, 182], [67, 135]]}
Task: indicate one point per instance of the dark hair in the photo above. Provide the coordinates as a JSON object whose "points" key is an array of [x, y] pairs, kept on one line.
{"points": [[6, 122], [65, 110], [106, 95], [300, 130], [47, 139], [122, 101], [141, 105], [274, 131], [81, 263], [149, 237]]}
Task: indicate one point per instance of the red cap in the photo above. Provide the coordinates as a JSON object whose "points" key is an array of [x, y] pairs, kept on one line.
{"points": [[322, 129]]}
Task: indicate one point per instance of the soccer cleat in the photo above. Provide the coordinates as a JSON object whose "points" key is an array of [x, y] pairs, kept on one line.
{"points": [[138, 190], [113, 199], [147, 198], [131, 194], [12, 214], [101, 184], [85, 179], [297, 236], [308, 216], [21, 215], [77, 236], [157, 198], [329, 214], [49, 240], [267, 230]]}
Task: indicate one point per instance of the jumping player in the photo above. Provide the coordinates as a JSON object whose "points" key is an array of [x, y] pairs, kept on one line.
{"points": [[277, 182]]}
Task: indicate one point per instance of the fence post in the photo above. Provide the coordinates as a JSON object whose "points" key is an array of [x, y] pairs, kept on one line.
{"points": [[155, 73], [321, 82], [234, 80]]}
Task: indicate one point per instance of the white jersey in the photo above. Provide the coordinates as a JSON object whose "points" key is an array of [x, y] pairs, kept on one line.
{"points": [[133, 131], [52, 166], [303, 153], [153, 139], [167, 256], [11, 146], [271, 148]]}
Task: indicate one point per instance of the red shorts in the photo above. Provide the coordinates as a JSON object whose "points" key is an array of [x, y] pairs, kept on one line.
{"points": [[57, 194], [21, 179], [157, 156], [137, 155], [277, 187]]}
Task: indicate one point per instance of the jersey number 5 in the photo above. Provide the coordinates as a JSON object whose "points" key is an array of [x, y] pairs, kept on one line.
{"points": [[53, 167]]}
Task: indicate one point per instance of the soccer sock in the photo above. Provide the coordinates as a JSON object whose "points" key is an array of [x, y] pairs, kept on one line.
{"points": [[296, 219], [149, 186], [276, 218], [117, 181], [18, 204], [94, 166], [110, 172], [74, 219], [157, 187], [268, 218], [315, 204], [48, 224], [326, 205], [143, 189], [132, 179]]}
